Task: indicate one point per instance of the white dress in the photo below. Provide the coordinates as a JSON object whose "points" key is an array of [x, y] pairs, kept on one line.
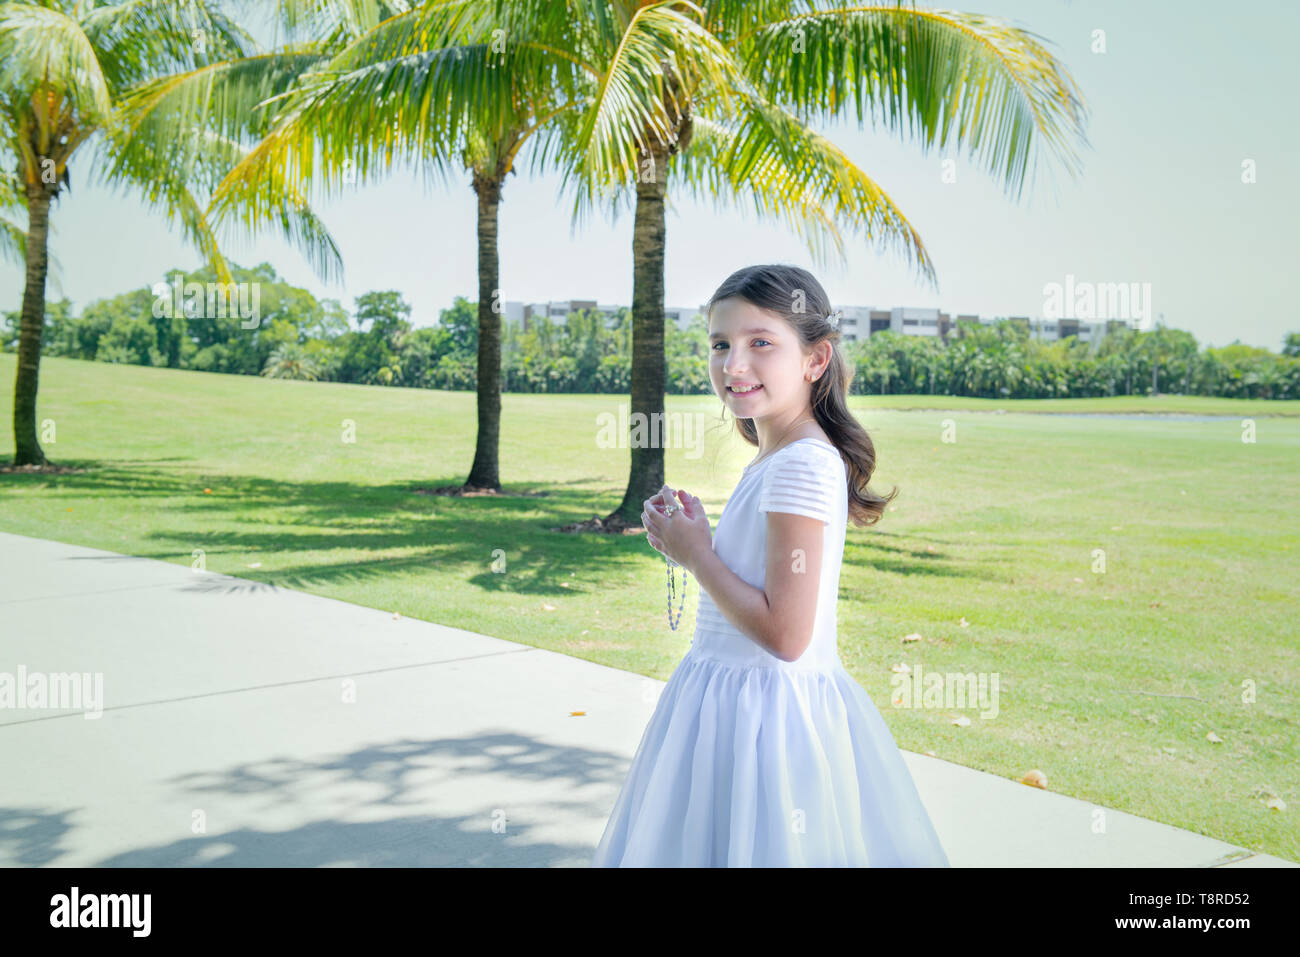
{"points": [[751, 761]]}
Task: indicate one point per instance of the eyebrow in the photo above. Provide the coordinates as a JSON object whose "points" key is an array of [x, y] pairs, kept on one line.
{"points": [[743, 332]]}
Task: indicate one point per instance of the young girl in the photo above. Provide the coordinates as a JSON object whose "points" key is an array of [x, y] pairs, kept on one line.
{"points": [[763, 751]]}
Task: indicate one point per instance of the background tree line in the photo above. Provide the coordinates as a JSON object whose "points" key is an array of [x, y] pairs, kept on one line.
{"points": [[300, 337]]}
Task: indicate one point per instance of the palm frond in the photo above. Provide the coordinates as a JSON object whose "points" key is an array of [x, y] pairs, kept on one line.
{"points": [[291, 212], [158, 118], [728, 19], [182, 206], [631, 102], [44, 49], [335, 22], [411, 89], [158, 179], [139, 39], [791, 172], [13, 242], [949, 77]]}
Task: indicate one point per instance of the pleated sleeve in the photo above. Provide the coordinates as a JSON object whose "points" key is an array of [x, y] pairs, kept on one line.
{"points": [[805, 479]]}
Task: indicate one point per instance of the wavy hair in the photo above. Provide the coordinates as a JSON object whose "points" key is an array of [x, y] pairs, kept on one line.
{"points": [[796, 296]]}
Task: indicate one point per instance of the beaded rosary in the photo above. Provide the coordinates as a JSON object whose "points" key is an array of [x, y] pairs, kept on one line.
{"points": [[672, 588]]}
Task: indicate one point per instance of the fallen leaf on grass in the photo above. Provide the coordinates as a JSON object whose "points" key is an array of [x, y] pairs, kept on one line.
{"points": [[961, 722], [901, 669], [1213, 738], [1035, 778], [914, 636], [547, 606]]}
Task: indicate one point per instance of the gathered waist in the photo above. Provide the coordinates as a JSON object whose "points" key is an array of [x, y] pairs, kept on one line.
{"points": [[716, 638], [734, 649]]}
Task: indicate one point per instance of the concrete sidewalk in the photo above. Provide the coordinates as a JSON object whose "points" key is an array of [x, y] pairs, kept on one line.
{"points": [[226, 739]]}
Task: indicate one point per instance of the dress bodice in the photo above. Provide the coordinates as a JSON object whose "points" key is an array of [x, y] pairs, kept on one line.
{"points": [[806, 477]]}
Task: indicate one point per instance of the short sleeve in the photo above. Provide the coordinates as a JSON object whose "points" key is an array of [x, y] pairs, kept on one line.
{"points": [[803, 480]]}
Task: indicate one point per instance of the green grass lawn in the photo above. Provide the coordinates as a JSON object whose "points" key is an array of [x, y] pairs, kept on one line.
{"points": [[1109, 681]]}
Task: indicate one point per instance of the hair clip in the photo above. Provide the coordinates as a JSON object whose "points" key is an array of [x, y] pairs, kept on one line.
{"points": [[835, 317]]}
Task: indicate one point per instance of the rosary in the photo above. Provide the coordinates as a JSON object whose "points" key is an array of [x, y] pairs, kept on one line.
{"points": [[672, 588]]}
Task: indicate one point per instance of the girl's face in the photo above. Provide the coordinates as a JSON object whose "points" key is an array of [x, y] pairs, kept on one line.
{"points": [[759, 353]]}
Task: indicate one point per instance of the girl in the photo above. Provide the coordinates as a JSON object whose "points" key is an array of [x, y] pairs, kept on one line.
{"points": [[763, 751]]}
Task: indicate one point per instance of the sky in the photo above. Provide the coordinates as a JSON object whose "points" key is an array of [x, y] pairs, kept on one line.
{"points": [[1181, 97]]}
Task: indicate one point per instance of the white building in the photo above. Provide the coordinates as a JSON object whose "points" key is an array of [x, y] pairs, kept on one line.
{"points": [[521, 312], [858, 323]]}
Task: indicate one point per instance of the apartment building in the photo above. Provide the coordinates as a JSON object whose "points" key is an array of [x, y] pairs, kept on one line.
{"points": [[523, 312], [858, 323]]}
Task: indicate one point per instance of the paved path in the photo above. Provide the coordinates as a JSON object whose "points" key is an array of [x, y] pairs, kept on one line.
{"points": [[225, 738]]}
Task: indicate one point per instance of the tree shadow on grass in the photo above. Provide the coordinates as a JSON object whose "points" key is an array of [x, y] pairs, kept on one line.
{"points": [[251, 516]]}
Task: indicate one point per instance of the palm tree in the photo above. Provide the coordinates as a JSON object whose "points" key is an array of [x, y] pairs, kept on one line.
{"points": [[725, 87], [66, 70], [729, 87], [291, 361], [435, 86]]}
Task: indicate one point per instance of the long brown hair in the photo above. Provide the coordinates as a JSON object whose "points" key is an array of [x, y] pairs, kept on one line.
{"points": [[796, 296]]}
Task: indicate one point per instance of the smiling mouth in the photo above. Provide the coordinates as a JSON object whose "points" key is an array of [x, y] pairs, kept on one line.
{"points": [[748, 391]]}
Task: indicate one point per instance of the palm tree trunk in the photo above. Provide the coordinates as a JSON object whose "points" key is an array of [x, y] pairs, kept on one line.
{"points": [[649, 367], [485, 473], [27, 450]]}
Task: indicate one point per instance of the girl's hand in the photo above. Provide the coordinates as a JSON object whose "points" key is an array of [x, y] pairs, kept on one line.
{"points": [[682, 536]]}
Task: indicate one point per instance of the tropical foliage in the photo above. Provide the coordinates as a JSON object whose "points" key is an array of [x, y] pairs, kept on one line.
{"points": [[300, 337], [634, 102], [70, 73]]}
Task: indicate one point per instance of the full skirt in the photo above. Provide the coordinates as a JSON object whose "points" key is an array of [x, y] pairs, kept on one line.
{"points": [[767, 767]]}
